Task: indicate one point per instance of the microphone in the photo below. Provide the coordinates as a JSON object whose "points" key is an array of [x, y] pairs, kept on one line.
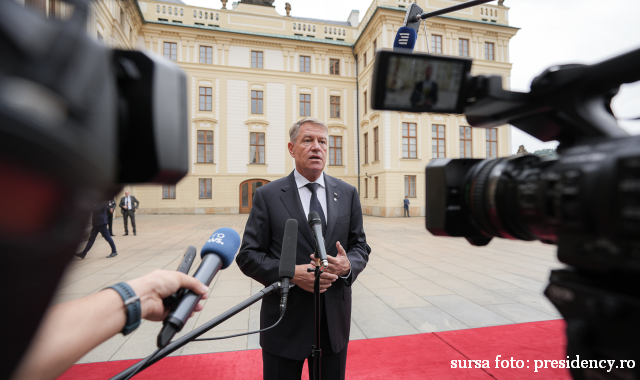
{"points": [[405, 39], [217, 253], [316, 227], [288, 260]]}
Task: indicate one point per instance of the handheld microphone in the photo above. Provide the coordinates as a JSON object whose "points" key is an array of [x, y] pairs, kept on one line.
{"points": [[405, 39], [217, 253], [316, 227], [288, 260]]}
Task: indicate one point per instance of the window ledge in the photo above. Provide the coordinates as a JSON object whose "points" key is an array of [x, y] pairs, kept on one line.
{"points": [[375, 162], [205, 163], [365, 164], [265, 165], [410, 159], [335, 166]]}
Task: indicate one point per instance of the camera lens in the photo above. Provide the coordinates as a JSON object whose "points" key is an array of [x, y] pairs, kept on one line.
{"points": [[505, 197]]}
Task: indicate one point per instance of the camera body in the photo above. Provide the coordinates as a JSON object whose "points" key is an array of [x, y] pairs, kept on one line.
{"points": [[586, 201]]}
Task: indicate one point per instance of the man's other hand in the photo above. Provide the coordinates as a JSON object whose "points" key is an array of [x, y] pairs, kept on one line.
{"points": [[340, 264], [305, 279]]}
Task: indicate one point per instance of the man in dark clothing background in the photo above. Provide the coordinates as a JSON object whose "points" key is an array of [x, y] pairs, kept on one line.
{"points": [[128, 206], [99, 222], [111, 207], [406, 207]]}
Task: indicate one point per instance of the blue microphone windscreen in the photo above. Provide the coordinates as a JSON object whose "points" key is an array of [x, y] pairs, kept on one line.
{"points": [[224, 243], [405, 38]]}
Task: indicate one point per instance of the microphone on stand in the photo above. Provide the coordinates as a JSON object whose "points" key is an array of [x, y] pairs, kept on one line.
{"points": [[288, 260], [217, 253], [316, 227]]}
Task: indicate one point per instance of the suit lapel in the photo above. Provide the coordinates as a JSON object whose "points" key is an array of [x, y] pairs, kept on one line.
{"points": [[291, 200], [333, 203]]}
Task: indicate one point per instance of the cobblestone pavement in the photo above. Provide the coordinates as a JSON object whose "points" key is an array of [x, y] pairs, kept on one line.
{"points": [[414, 282]]}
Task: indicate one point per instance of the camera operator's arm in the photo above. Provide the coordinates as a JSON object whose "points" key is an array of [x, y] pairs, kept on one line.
{"points": [[72, 329]]}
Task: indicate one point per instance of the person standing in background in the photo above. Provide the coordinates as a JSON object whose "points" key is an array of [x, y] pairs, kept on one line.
{"points": [[128, 206], [99, 222], [111, 207], [406, 207]]}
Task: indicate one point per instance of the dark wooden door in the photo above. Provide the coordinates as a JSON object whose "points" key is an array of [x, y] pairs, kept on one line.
{"points": [[247, 190]]}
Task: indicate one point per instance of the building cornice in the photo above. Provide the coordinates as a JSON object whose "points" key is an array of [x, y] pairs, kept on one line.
{"points": [[259, 34]]}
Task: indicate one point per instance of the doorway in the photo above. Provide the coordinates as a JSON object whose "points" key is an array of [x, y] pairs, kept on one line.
{"points": [[247, 190]]}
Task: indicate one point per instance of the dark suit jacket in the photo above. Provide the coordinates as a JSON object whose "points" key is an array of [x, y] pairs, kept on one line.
{"points": [[259, 258], [418, 96], [134, 204], [99, 216]]}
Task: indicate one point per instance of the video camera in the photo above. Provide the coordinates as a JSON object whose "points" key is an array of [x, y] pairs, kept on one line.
{"points": [[587, 201], [77, 121]]}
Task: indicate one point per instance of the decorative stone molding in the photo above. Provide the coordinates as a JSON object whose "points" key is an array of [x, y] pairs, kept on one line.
{"points": [[203, 120], [257, 123]]}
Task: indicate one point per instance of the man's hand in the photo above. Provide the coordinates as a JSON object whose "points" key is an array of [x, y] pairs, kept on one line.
{"points": [[111, 210], [159, 284], [340, 264], [124, 207], [305, 279]]}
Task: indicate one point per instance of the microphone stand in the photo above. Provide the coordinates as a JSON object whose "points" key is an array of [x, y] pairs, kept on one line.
{"points": [[171, 347], [316, 350]]}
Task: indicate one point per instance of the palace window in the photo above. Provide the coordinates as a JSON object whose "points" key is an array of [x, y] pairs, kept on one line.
{"points": [[410, 186], [376, 155], [171, 51], [334, 101], [437, 141], [465, 142], [364, 104], [305, 64], [436, 44], [488, 51], [366, 187], [257, 148], [169, 192], [305, 105], [335, 150], [492, 142], [205, 188], [334, 66], [206, 54], [205, 147], [256, 59], [463, 47], [376, 186], [409, 140], [205, 98], [256, 102], [366, 148]]}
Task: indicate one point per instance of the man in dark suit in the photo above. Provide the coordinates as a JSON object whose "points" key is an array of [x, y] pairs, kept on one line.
{"points": [[99, 222], [425, 92], [128, 206], [111, 208], [306, 189]]}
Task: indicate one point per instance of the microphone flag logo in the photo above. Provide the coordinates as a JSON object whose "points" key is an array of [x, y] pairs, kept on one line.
{"points": [[404, 38], [216, 238]]}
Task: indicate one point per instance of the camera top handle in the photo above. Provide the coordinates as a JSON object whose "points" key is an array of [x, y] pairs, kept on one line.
{"points": [[568, 103]]}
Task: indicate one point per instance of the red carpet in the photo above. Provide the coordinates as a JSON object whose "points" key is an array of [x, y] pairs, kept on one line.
{"points": [[421, 356]]}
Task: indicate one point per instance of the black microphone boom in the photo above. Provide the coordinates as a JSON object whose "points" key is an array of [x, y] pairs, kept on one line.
{"points": [[316, 227], [288, 260]]}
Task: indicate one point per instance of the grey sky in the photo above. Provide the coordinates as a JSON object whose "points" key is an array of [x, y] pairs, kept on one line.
{"points": [[552, 32]]}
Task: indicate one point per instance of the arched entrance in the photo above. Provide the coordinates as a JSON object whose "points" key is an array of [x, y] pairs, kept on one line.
{"points": [[247, 190]]}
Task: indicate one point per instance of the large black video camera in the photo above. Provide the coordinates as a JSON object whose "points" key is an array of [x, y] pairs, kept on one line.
{"points": [[587, 201], [77, 121]]}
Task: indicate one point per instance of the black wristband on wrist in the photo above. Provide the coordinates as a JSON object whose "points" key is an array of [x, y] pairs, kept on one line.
{"points": [[132, 302]]}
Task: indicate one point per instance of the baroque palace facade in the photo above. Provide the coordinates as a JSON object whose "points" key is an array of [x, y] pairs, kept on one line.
{"points": [[252, 72]]}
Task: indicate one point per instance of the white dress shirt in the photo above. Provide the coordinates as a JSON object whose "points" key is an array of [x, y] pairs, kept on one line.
{"points": [[305, 193]]}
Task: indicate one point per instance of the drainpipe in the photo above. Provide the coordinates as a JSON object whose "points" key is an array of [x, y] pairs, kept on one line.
{"points": [[357, 115]]}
